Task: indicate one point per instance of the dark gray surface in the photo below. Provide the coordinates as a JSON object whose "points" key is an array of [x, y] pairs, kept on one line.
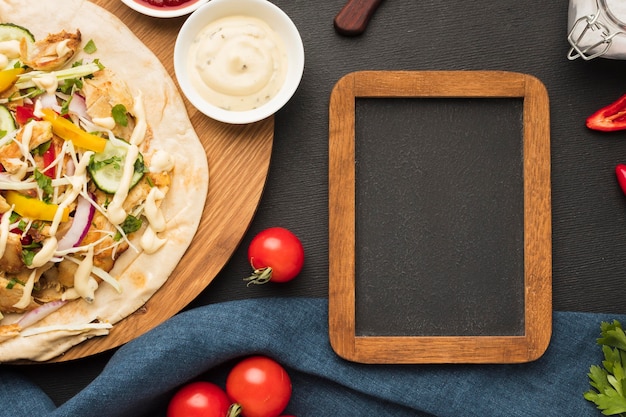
{"points": [[440, 217], [589, 210]]}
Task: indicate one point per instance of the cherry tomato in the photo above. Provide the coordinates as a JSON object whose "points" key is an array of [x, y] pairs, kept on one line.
{"points": [[199, 399], [260, 386], [276, 255]]}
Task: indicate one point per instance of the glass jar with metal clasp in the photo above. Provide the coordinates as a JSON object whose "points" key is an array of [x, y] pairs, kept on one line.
{"points": [[597, 28]]}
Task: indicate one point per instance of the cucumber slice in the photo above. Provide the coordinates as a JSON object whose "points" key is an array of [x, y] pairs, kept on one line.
{"points": [[13, 32], [7, 122], [106, 168], [10, 31]]}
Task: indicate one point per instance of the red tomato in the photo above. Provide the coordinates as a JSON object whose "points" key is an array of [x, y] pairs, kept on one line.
{"points": [[48, 158], [276, 255], [199, 399], [23, 114], [260, 385]]}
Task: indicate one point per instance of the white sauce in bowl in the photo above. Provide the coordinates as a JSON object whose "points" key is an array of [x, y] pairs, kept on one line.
{"points": [[237, 63]]}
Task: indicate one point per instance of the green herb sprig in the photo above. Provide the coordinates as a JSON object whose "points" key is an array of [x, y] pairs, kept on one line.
{"points": [[609, 380]]}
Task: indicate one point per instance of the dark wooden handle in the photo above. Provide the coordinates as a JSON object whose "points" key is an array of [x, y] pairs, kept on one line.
{"points": [[353, 18]]}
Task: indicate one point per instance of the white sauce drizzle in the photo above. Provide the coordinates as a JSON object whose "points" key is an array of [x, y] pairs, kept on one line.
{"points": [[4, 231], [77, 181], [45, 254], [62, 48], [105, 122], [26, 292], [115, 212], [47, 82], [150, 242], [141, 125], [10, 48], [152, 212], [161, 162], [83, 282], [4, 61]]}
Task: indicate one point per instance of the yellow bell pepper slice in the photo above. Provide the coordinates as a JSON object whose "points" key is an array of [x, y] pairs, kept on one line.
{"points": [[33, 208], [69, 131], [8, 77]]}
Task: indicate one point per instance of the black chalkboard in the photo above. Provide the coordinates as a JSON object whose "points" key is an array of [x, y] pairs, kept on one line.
{"points": [[440, 216]]}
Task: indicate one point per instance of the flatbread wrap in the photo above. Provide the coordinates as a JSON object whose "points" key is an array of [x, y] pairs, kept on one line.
{"points": [[94, 216]]}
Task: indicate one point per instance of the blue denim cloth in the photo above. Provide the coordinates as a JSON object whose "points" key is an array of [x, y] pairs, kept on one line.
{"points": [[144, 372]]}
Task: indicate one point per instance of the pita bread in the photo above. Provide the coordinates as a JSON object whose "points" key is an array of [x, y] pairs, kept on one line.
{"points": [[139, 274]]}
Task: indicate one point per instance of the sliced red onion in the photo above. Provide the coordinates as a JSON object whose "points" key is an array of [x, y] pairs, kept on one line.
{"points": [[49, 101], [70, 168], [80, 224], [78, 106], [39, 313]]}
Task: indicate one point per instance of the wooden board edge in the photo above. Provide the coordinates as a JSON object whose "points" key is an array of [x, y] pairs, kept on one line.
{"points": [[341, 217], [537, 217]]}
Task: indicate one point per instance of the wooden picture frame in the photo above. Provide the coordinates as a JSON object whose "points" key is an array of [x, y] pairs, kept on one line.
{"points": [[537, 243]]}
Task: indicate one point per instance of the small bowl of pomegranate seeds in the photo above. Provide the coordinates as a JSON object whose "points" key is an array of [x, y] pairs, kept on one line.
{"points": [[164, 8]]}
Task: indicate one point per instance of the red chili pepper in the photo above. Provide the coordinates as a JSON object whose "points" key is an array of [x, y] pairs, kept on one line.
{"points": [[620, 172], [609, 118], [48, 157]]}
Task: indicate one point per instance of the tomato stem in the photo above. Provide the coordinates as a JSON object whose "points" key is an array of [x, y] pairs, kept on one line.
{"points": [[260, 276], [234, 410]]}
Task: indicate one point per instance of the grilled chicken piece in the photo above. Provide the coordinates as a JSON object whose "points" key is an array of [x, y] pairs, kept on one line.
{"points": [[51, 53], [11, 155], [11, 261], [41, 133], [10, 293], [104, 254], [102, 93], [4, 206], [137, 195], [9, 331]]}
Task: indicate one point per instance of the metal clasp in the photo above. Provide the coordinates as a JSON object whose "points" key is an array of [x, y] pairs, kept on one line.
{"points": [[596, 28]]}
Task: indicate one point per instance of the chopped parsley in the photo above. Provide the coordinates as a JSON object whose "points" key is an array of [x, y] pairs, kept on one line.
{"points": [[45, 183], [70, 85], [140, 167], [114, 162], [119, 114], [129, 225]]}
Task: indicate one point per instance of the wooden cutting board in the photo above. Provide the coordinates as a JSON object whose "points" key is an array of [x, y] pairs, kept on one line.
{"points": [[238, 158]]}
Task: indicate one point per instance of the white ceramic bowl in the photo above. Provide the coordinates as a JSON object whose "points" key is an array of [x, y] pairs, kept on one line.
{"points": [[260, 9], [183, 10]]}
